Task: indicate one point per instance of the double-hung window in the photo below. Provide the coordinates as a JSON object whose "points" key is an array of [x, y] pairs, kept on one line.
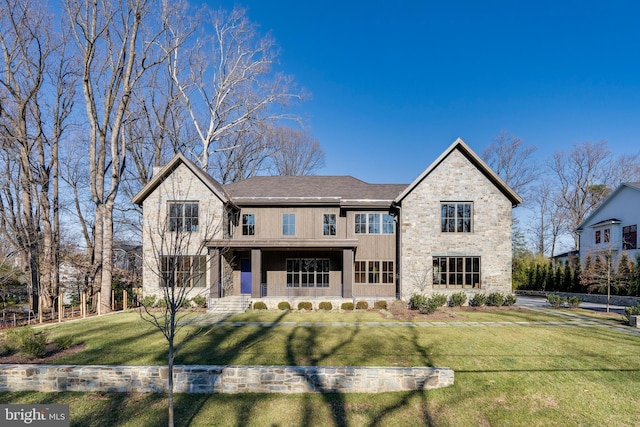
{"points": [[456, 217], [183, 216], [289, 224], [630, 237], [329, 224], [248, 224]]}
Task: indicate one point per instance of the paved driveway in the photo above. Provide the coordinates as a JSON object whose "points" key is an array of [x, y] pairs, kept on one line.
{"points": [[528, 301]]}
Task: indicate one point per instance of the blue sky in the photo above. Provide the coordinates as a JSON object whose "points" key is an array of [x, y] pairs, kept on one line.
{"points": [[394, 83]]}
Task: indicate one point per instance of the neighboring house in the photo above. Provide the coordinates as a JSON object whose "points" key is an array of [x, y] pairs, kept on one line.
{"points": [[330, 237], [612, 228]]}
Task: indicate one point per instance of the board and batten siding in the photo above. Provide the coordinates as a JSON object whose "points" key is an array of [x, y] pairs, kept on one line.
{"points": [[309, 222]]}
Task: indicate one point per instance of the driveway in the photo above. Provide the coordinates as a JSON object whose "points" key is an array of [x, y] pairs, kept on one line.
{"points": [[528, 301]]}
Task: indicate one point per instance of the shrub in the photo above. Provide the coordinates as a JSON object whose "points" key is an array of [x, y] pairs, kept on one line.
{"points": [[284, 305], [305, 305], [34, 345], [149, 301], [64, 342], [416, 301], [199, 301], [478, 300], [325, 305], [347, 306], [556, 301], [259, 305], [362, 305], [510, 300], [634, 310], [439, 299], [458, 299], [574, 302], [495, 299], [430, 306], [380, 305], [160, 303]]}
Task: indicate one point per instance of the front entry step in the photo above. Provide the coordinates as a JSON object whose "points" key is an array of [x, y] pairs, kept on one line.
{"points": [[232, 304]]}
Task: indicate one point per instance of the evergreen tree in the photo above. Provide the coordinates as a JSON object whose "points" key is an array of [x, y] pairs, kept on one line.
{"points": [[559, 273], [567, 281], [623, 276], [576, 286]]}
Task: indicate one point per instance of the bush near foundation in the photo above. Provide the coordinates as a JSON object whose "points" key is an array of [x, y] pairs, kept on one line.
{"points": [[495, 299], [305, 305], [362, 305], [478, 300], [259, 305], [458, 299], [284, 305], [325, 305], [380, 305], [346, 306]]}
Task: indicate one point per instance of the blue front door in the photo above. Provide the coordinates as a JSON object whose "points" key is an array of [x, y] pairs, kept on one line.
{"points": [[245, 276]]}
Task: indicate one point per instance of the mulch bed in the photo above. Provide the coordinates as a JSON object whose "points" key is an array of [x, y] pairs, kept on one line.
{"points": [[53, 353]]}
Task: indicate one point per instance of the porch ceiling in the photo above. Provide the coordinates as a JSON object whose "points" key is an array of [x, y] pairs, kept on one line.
{"points": [[283, 243]]}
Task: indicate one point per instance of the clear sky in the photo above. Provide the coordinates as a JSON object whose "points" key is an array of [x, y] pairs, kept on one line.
{"points": [[395, 83]]}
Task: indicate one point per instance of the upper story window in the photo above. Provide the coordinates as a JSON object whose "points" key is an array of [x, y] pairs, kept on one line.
{"points": [[329, 225], [456, 217], [374, 223], [183, 216], [248, 224], [603, 236], [630, 237], [289, 224]]}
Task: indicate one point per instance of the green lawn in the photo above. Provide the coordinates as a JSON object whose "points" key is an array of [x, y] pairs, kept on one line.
{"points": [[504, 375]]}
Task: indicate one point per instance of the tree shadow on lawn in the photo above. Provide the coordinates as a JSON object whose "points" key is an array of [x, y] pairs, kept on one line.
{"points": [[336, 401]]}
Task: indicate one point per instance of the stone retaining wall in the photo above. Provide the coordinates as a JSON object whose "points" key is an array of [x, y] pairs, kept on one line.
{"points": [[222, 379]]}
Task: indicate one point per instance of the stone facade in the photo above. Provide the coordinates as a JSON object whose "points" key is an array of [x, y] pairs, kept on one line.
{"points": [[455, 179], [184, 186], [222, 379]]}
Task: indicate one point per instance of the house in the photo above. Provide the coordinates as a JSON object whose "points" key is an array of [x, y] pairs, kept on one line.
{"points": [[332, 238], [612, 228]]}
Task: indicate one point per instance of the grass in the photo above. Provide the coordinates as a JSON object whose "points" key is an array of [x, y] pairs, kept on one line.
{"points": [[504, 375]]}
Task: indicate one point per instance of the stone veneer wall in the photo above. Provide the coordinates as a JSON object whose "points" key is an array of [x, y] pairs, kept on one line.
{"points": [[180, 185], [455, 179], [222, 379]]}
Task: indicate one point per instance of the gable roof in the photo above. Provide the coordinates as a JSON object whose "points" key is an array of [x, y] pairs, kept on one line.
{"points": [[631, 185], [180, 159], [486, 170], [345, 190]]}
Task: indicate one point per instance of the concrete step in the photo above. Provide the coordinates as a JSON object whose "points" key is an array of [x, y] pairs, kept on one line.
{"points": [[233, 304]]}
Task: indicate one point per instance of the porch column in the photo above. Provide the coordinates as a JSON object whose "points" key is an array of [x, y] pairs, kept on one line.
{"points": [[256, 272], [347, 273], [214, 272]]}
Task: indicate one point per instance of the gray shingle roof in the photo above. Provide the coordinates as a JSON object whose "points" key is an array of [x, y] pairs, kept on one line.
{"points": [[308, 187]]}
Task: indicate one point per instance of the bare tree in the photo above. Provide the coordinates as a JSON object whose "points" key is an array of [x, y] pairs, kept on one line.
{"points": [[586, 175], [179, 264], [549, 222], [295, 152], [227, 79], [36, 99], [513, 161], [117, 44]]}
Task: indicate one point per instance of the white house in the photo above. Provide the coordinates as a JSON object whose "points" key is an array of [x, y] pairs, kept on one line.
{"points": [[613, 226]]}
